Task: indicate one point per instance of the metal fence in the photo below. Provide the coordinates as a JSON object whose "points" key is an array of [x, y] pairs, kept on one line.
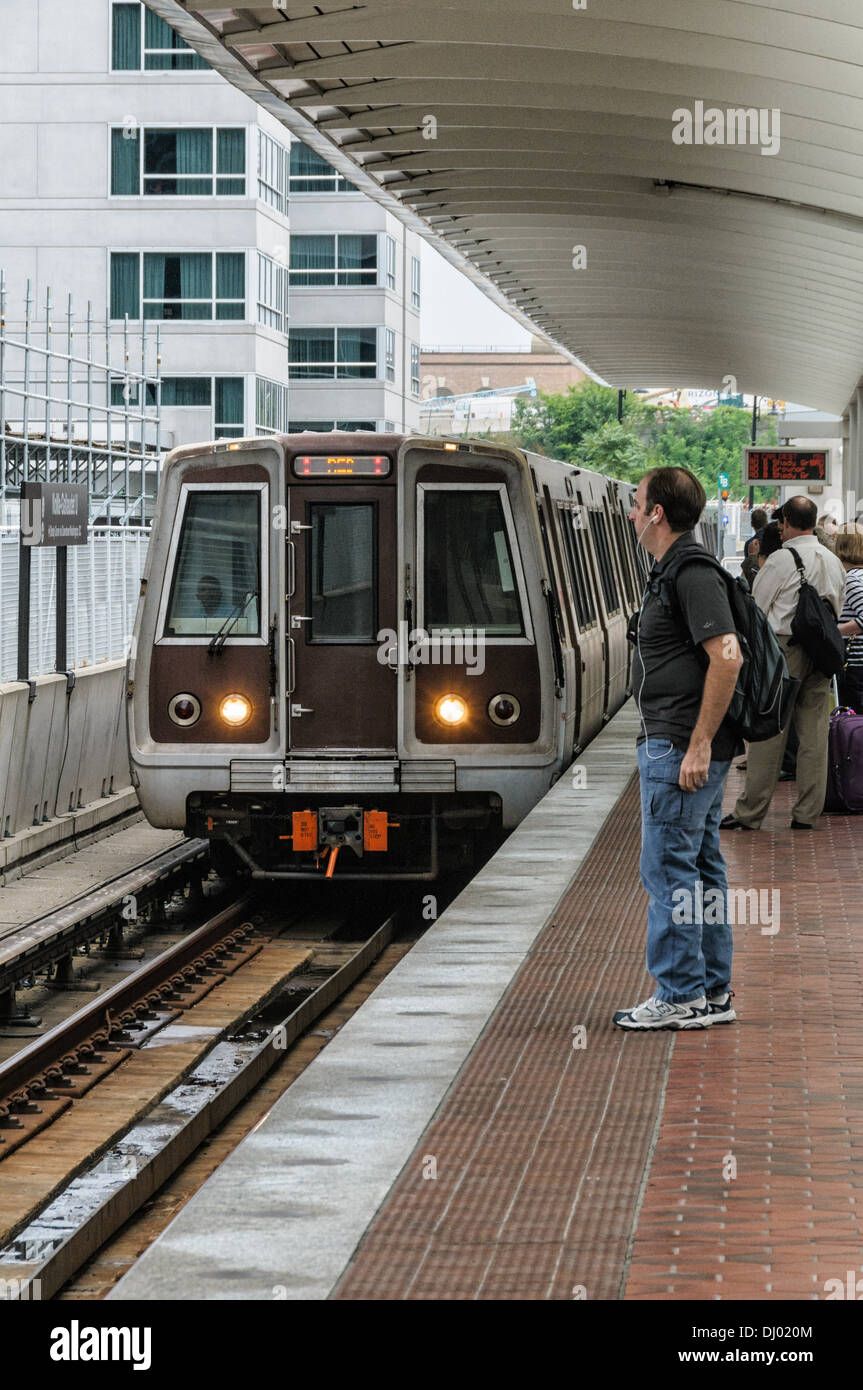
{"points": [[103, 585], [76, 408]]}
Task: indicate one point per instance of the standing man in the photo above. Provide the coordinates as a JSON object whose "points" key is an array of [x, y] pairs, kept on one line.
{"points": [[775, 591], [752, 548], [684, 674]]}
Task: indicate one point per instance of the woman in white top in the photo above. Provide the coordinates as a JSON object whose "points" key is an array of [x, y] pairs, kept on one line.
{"points": [[849, 549]]}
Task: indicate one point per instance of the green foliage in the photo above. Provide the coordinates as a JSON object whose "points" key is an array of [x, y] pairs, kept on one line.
{"points": [[556, 424], [580, 426], [614, 449]]}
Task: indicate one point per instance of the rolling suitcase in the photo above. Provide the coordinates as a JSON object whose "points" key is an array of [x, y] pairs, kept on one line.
{"points": [[845, 762]]}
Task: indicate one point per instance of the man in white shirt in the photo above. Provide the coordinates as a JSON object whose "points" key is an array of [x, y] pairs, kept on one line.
{"points": [[776, 590]]}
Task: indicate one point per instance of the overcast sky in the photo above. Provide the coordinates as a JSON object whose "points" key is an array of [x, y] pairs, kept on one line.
{"points": [[455, 313]]}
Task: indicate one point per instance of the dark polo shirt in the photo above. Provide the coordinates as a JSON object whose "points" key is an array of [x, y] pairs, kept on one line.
{"points": [[668, 670]]}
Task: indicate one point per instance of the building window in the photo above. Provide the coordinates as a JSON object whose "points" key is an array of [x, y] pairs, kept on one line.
{"points": [[183, 162], [178, 285], [415, 369], [272, 172], [271, 406], [272, 294], [415, 281], [327, 426], [228, 412], [390, 263], [223, 395], [312, 174], [327, 353], [338, 259], [390, 354], [137, 33]]}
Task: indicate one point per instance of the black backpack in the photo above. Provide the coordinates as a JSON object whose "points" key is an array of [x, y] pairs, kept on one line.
{"points": [[764, 697], [814, 626]]}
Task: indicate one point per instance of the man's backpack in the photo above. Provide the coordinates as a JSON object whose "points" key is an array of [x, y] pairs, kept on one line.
{"points": [[814, 626], [764, 696]]}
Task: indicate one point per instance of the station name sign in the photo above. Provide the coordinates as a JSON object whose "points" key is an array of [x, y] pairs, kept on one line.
{"points": [[54, 514], [793, 464]]}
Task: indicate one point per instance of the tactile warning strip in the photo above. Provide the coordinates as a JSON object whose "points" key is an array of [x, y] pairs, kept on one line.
{"points": [[527, 1182], [756, 1185]]}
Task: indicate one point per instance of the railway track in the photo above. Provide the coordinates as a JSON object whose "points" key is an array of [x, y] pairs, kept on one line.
{"points": [[101, 1111]]}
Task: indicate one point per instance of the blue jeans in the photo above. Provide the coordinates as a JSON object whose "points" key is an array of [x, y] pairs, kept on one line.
{"points": [[689, 944]]}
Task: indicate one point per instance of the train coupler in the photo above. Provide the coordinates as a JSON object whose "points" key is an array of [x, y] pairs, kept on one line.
{"points": [[340, 827]]}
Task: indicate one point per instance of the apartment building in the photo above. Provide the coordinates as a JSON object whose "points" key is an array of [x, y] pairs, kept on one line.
{"points": [[141, 181]]}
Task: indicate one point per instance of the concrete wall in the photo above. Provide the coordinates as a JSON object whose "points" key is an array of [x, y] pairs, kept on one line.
{"points": [[63, 760]]}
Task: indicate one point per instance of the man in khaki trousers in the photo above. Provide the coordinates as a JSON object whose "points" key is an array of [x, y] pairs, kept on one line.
{"points": [[775, 591]]}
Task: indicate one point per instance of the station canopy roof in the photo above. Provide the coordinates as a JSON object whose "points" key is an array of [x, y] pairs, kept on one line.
{"points": [[513, 132]]}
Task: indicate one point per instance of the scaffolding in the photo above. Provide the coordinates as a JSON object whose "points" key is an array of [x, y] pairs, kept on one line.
{"points": [[69, 416]]}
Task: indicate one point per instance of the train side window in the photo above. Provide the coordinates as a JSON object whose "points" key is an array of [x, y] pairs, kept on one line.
{"points": [[641, 566], [582, 587], [606, 564], [625, 556], [575, 587], [217, 566], [469, 580], [342, 584]]}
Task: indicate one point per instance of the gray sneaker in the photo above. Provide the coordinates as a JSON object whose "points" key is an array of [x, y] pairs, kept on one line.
{"points": [[721, 1007], [655, 1013]]}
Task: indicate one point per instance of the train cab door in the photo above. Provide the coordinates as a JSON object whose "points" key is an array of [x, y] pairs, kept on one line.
{"points": [[341, 592]]}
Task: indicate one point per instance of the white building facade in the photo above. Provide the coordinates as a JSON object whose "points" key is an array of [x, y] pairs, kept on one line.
{"points": [[138, 179]]}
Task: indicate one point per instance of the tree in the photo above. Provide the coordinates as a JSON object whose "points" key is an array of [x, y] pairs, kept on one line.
{"points": [[614, 449], [556, 423], [580, 426]]}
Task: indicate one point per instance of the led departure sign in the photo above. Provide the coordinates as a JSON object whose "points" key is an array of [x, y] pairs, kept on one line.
{"points": [[788, 465], [341, 466]]}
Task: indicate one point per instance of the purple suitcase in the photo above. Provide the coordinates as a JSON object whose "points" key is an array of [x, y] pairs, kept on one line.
{"points": [[845, 762]]}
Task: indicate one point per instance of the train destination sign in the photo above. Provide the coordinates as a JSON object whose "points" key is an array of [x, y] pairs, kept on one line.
{"points": [[792, 464], [54, 514], [341, 465]]}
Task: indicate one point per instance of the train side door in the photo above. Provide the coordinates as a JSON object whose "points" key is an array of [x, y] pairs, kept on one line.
{"points": [[341, 594]]}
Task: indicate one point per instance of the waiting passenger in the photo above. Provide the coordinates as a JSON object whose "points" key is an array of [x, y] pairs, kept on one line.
{"points": [[752, 548], [771, 541], [849, 549], [776, 592], [684, 754]]}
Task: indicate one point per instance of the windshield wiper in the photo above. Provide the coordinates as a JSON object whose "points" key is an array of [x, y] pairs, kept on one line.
{"points": [[217, 643]]}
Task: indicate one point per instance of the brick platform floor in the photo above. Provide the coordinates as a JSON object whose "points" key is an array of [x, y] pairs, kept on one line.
{"points": [[571, 1160]]}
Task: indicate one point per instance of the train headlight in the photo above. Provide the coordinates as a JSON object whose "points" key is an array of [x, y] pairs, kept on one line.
{"points": [[185, 710], [503, 709], [450, 710], [235, 710]]}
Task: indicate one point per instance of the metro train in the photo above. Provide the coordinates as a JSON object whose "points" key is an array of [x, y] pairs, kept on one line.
{"points": [[359, 655]]}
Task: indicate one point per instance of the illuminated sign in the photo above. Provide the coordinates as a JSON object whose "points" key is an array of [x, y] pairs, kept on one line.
{"points": [[788, 465], [341, 465]]}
